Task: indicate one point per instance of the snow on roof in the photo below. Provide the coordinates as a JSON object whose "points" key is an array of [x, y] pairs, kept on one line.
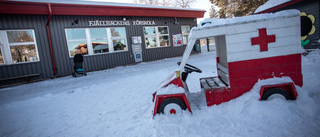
{"points": [[270, 4], [209, 22], [101, 3]]}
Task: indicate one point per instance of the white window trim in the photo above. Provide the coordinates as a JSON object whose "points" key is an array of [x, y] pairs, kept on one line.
{"points": [[74, 40], [90, 48], [110, 43], [5, 47], [3, 55], [89, 41], [183, 34], [118, 38], [157, 35]]}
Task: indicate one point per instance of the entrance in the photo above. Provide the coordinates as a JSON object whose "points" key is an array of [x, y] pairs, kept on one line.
{"points": [[136, 48], [222, 61]]}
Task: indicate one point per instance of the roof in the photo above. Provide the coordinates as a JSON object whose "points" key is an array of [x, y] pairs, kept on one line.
{"points": [[211, 22], [94, 8], [273, 5]]}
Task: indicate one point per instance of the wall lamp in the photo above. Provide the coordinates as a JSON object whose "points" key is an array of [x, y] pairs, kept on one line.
{"points": [[175, 21], [75, 22]]}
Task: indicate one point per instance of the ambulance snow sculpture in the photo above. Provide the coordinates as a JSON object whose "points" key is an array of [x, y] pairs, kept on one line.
{"points": [[248, 49]]}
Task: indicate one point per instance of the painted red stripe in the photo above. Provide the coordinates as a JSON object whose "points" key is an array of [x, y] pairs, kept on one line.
{"points": [[244, 74], [259, 63], [279, 69]]}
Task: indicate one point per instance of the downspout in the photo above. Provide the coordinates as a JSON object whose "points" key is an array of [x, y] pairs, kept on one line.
{"points": [[50, 42]]}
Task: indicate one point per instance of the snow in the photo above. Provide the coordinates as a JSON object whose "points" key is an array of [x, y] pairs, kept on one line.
{"points": [[273, 81], [210, 22], [117, 4], [270, 4], [170, 89], [118, 102]]}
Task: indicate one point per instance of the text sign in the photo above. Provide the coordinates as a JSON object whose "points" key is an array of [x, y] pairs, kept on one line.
{"points": [[119, 23]]}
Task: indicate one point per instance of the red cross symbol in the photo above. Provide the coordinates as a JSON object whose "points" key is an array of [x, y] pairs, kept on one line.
{"points": [[263, 39]]}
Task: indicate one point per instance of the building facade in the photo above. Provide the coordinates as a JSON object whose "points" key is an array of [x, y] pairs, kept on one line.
{"points": [[39, 39], [310, 17]]}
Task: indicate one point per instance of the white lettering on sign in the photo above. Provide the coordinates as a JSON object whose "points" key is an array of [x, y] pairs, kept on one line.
{"points": [[108, 23], [119, 23], [137, 22]]}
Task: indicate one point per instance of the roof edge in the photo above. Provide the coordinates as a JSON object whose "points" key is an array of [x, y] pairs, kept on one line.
{"points": [[40, 8], [101, 3], [279, 6]]}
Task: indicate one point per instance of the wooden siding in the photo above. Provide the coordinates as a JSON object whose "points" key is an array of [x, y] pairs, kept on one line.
{"points": [[64, 63], [310, 7], [58, 25], [44, 66]]}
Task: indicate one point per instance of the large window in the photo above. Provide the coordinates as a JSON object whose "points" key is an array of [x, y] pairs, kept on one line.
{"points": [[18, 46], [89, 41], [77, 41], [185, 34], [156, 37], [99, 40]]}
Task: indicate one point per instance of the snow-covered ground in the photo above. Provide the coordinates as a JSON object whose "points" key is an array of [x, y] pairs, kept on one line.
{"points": [[118, 102]]}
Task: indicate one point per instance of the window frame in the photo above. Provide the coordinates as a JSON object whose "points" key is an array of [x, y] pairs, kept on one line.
{"points": [[185, 34], [100, 38], [109, 39], [5, 46], [119, 38], [76, 40], [157, 36], [2, 54]]}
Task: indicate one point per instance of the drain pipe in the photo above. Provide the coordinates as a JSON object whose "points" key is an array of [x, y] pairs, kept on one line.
{"points": [[50, 42]]}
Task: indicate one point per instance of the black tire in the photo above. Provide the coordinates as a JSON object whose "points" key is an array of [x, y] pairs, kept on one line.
{"points": [[168, 101], [85, 73], [272, 91], [73, 74]]}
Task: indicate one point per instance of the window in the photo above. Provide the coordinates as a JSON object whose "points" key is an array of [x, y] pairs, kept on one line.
{"points": [[77, 43], [99, 40], [119, 39], [156, 37], [89, 41], [18, 46], [185, 34], [1, 57]]}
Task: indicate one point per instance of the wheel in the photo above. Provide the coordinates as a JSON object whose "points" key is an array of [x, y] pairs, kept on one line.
{"points": [[172, 106], [73, 74], [275, 93], [85, 73]]}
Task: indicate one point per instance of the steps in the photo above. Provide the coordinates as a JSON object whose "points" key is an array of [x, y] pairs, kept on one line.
{"points": [[212, 83]]}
